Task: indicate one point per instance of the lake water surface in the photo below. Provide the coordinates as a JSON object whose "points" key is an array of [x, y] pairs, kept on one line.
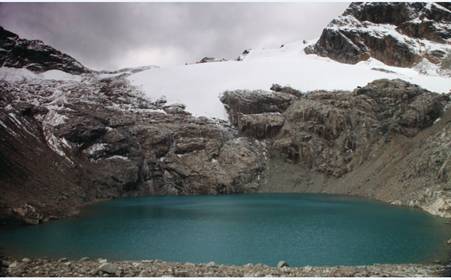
{"points": [[303, 229]]}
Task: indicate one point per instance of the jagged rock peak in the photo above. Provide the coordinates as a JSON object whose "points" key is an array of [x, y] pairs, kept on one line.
{"points": [[398, 12], [35, 55], [398, 34]]}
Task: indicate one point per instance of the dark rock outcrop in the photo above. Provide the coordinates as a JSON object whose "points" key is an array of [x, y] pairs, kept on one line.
{"points": [[211, 59], [34, 55], [331, 131], [398, 34], [256, 102], [261, 125], [285, 89]]}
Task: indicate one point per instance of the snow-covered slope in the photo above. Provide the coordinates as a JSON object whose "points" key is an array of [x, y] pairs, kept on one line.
{"points": [[19, 74], [199, 86]]}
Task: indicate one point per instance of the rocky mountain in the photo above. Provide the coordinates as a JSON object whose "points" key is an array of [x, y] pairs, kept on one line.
{"points": [[396, 33], [34, 55], [66, 143]]}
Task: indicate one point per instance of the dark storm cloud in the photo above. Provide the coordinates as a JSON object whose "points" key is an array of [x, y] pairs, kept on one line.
{"points": [[112, 35]]}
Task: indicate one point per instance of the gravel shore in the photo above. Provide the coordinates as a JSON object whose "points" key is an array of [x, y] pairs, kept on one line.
{"points": [[154, 268]]}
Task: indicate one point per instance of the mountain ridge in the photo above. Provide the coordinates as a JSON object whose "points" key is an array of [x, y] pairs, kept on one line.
{"points": [[35, 55]]}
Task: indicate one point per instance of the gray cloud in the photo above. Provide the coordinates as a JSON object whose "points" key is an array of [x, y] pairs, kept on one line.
{"points": [[113, 35]]}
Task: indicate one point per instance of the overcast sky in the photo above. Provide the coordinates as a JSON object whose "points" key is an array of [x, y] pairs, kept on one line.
{"points": [[115, 35]]}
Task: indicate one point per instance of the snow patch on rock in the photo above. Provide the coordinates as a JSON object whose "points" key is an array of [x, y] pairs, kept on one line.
{"points": [[58, 145], [10, 74], [96, 148], [117, 157]]}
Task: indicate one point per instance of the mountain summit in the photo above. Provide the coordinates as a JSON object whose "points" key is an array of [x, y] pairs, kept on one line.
{"points": [[398, 34], [34, 55]]}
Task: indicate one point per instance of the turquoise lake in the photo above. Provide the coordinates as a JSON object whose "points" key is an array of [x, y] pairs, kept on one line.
{"points": [[302, 229]]}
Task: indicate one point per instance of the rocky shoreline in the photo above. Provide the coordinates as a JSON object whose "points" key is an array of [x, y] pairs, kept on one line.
{"points": [[157, 268]]}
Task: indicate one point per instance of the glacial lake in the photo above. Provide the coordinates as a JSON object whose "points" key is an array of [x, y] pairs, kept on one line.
{"points": [[302, 229]]}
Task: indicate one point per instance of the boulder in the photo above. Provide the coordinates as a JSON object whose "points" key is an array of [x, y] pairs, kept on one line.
{"points": [[282, 264], [211, 59], [28, 214], [286, 89], [109, 268], [175, 109]]}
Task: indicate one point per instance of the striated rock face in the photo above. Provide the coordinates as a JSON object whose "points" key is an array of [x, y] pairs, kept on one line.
{"points": [[362, 142], [34, 55], [398, 34], [332, 131], [69, 143]]}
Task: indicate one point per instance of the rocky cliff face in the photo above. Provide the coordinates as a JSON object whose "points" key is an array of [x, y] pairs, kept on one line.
{"points": [[376, 141], [34, 55], [398, 34], [66, 144]]}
